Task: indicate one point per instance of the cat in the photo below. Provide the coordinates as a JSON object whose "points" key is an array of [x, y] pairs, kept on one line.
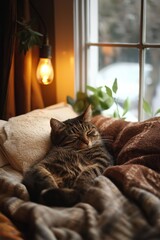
{"points": [[76, 158]]}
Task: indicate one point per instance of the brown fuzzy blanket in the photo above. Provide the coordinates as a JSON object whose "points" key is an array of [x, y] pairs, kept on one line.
{"points": [[123, 203]]}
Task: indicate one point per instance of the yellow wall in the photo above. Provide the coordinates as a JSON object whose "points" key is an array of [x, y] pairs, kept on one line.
{"points": [[64, 53]]}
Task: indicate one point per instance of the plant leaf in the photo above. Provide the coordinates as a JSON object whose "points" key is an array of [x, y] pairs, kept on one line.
{"points": [[79, 106], [115, 114], [81, 95], [115, 86], [147, 107], [100, 93], [92, 89], [108, 91], [125, 106], [157, 112], [28, 37], [104, 105], [94, 100], [70, 100]]}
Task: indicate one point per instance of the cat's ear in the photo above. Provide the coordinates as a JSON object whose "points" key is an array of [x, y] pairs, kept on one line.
{"points": [[87, 115], [56, 124]]}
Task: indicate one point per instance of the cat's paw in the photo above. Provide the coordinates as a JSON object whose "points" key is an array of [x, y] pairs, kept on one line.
{"points": [[60, 197]]}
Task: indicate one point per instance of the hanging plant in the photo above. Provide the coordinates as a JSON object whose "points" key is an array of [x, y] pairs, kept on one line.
{"points": [[27, 37]]}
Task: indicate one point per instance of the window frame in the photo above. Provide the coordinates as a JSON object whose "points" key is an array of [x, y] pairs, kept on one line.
{"points": [[82, 45]]}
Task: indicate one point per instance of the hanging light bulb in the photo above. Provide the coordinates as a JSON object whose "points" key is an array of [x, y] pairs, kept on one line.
{"points": [[45, 71]]}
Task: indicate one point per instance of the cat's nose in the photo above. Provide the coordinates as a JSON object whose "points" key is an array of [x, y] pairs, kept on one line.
{"points": [[84, 140]]}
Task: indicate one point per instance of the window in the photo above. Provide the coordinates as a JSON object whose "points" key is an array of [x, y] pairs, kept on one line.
{"points": [[120, 39]]}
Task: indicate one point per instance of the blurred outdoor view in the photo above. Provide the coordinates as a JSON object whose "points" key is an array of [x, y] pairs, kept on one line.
{"points": [[118, 21]]}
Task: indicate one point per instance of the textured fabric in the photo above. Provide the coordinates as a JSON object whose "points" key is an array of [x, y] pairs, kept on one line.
{"points": [[123, 203], [8, 231], [3, 159], [26, 138], [105, 213], [132, 142]]}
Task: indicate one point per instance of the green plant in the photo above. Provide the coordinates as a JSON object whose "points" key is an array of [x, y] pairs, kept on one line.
{"points": [[147, 108], [28, 37], [112, 94], [101, 98], [97, 97]]}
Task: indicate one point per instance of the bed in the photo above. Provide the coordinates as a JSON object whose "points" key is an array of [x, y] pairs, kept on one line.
{"points": [[122, 204]]}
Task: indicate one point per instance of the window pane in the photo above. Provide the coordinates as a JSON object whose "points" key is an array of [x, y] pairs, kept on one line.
{"points": [[152, 79], [120, 63], [118, 20], [152, 21]]}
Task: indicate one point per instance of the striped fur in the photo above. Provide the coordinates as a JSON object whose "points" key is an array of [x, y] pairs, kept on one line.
{"points": [[77, 156]]}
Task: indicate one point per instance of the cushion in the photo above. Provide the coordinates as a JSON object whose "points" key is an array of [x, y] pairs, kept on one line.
{"points": [[3, 159], [26, 138]]}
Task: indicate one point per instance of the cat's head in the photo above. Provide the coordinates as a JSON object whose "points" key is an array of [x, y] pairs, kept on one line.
{"points": [[76, 133]]}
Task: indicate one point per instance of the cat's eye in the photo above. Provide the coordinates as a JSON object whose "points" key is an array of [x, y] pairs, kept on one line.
{"points": [[92, 134]]}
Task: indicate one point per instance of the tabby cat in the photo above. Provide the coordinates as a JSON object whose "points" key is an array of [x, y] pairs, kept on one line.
{"points": [[76, 157]]}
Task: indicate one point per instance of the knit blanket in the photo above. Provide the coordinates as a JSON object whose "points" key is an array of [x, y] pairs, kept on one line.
{"points": [[123, 203]]}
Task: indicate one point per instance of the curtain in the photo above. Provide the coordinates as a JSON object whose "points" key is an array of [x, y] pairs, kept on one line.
{"points": [[23, 93], [7, 38], [20, 92]]}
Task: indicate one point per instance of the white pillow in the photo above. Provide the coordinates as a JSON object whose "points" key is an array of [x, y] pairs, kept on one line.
{"points": [[28, 135]]}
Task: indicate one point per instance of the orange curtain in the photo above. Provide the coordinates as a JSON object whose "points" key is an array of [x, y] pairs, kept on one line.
{"points": [[23, 93]]}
